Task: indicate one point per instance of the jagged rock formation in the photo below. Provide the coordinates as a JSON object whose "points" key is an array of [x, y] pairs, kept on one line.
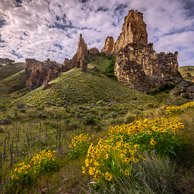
{"points": [[137, 63], [143, 69], [40, 73], [109, 46], [6, 61], [94, 51], [133, 30], [81, 54], [79, 59]]}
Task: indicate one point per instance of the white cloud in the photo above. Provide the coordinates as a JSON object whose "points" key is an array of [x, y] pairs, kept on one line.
{"points": [[34, 27]]}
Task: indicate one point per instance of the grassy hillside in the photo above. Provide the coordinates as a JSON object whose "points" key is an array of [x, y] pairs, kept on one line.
{"points": [[8, 70], [12, 87], [75, 87], [187, 69]]}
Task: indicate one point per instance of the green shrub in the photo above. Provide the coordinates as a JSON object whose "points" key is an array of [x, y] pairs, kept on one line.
{"points": [[112, 115], [78, 115], [109, 72], [90, 119], [150, 105], [100, 114], [100, 102]]}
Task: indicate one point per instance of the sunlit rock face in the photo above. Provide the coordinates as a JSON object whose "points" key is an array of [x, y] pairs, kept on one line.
{"points": [[133, 30], [39, 73], [109, 46], [137, 63]]}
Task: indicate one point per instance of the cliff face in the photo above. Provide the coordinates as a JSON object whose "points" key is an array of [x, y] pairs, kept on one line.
{"points": [[143, 69], [109, 46], [133, 30], [39, 73], [137, 63]]}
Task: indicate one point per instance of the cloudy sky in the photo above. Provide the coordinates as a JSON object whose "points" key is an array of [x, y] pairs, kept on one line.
{"points": [[50, 28]]}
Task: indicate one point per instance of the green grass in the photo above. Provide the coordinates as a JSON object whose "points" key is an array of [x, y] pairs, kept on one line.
{"points": [[12, 88], [75, 87], [8, 70], [184, 70], [102, 63]]}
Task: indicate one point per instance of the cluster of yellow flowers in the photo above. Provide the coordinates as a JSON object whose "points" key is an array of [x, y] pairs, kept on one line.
{"points": [[175, 109], [30, 167], [156, 125], [119, 151], [98, 156], [43, 155], [21, 169], [80, 139]]}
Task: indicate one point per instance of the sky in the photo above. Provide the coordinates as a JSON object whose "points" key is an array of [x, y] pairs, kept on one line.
{"points": [[44, 29]]}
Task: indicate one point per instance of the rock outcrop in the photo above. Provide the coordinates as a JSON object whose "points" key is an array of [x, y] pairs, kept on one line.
{"points": [[137, 63], [184, 89], [133, 30], [81, 54], [40, 73], [109, 46], [94, 51], [141, 68], [79, 59]]}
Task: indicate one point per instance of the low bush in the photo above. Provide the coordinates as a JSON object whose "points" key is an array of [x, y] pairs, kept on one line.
{"points": [[112, 115], [100, 102], [90, 119]]}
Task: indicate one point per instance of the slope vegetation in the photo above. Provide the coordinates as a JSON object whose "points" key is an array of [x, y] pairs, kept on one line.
{"points": [[8, 70], [75, 87]]}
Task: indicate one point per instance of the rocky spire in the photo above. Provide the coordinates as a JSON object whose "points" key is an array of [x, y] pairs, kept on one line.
{"points": [[81, 54], [133, 30]]}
